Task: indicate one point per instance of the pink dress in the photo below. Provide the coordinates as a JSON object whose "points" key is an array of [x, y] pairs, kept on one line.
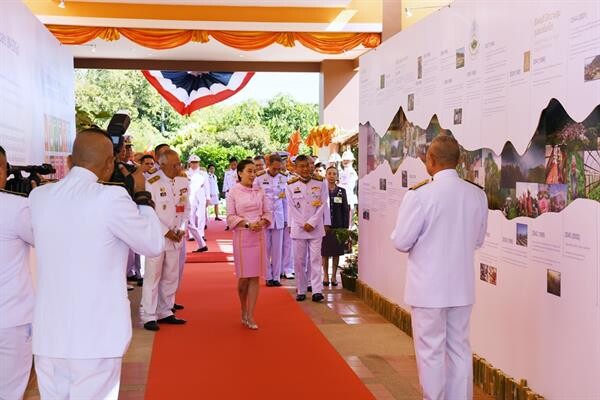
{"points": [[249, 248]]}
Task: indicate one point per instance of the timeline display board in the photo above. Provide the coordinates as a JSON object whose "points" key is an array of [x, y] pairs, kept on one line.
{"points": [[37, 100], [518, 85]]}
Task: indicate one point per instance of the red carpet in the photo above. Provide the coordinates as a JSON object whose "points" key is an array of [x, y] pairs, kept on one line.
{"points": [[214, 357]]}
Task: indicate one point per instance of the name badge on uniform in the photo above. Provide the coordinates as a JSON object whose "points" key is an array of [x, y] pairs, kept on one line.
{"points": [[297, 190], [163, 192], [265, 182], [179, 208], [337, 200]]}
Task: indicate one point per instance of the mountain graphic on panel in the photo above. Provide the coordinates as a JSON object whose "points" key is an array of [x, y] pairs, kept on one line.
{"points": [[561, 163]]}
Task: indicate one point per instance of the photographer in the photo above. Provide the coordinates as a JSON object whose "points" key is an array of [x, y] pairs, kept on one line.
{"points": [[80, 333], [16, 289]]}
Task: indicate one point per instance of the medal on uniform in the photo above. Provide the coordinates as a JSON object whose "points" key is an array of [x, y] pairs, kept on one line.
{"points": [[337, 200], [282, 195], [316, 203], [164, 206], [163, 192], [179, 208]]}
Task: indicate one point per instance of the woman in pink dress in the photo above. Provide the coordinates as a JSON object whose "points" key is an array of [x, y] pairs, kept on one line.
{"points": [[248, 214]]}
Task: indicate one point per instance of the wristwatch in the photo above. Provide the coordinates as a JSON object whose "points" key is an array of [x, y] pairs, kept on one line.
{"points": [[246, 225]]}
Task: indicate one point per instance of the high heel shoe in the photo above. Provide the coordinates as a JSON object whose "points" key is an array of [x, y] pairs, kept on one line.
{"points": [[251, 325], [244, 320]]}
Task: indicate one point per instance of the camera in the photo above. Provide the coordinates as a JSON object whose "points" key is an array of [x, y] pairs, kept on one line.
{"points": [[116, 131], [22, 184]]}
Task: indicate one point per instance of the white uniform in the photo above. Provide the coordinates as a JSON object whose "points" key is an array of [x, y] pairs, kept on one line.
{"points": [[229, 180], [85, 229], [161, 275], [199, 195], [16, 295], [213, 185], [440, 225], [308, 202], [274, 188], [348, 179], [287, 257]]}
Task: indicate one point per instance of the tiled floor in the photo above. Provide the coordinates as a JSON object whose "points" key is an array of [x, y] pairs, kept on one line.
{"points": [[380, 354]]}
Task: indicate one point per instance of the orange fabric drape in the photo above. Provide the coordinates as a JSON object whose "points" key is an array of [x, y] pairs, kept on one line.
{"points": [[161, 39], [294, 145], [320, 136]]}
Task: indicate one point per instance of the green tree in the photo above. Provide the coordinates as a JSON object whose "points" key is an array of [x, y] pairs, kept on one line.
{"points": [[283, 115]]}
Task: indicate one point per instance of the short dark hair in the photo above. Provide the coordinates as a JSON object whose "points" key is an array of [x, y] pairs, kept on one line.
{"points": [[232, 159], [241, 166], [210, 165], [2, 151], [145, 157], [319, 165], [301, 157], [160, 146], [258, 157], [274, 158]]}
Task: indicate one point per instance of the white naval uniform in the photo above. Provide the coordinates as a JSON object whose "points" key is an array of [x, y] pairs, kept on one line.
{"points": [[199, 195], [308, 203], [161, 275], [287, 256], [16, 295], [84, 228], [213, 185], [229, 180], [440, 225], [274, 189], [348, 179]]}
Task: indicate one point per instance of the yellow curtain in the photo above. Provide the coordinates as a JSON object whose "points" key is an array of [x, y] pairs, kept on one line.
{"points": [[161, 39]]}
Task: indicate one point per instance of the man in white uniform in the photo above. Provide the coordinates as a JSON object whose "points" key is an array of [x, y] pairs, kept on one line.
{"points": [[230, 178], [170, 193], [259, 164], [308, 209], [287, 258], [348, 179], [199, 199], [273, 184], [81, 332], [16, 290], [440, 224], [214, 190]]}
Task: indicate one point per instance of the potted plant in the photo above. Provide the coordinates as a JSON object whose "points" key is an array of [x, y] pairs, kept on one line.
{"points": [[349, 272]]}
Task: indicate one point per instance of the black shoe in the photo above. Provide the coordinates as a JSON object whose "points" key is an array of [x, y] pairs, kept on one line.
{"points": [[178, 306], [309, 289], [129, 288], [334, 283], [132, 278], [226, 228], [191, 239], [140, 282], [218, 219], [151, 326], [301, 297], [269, 283], [172, 320], [325, 284], [275, 283], [205, 228], [201, 250], [317, 297]]}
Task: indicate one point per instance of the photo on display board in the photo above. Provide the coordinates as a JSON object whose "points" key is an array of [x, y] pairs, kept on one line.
{"points": [[460, 58], [366, 215], [373, 156], [410, 105], [553, 282], [521, 235], [591, 69], [382, 184], [381, 81], [419, 67], [457, 116], [561, 163], [488, 274], [527, 61], [404, 178]]}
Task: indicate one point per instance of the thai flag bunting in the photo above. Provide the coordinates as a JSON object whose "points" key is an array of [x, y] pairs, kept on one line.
{"points": [[188, 91]]}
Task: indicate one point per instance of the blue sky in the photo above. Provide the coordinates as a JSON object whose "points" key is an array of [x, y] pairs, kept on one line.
{"points": [[302, 86]]}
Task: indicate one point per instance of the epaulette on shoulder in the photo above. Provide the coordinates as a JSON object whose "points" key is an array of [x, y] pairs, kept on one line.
{"points": [[420, 184], [13, 193], [111, 183], [317, 178], [293, 180], [473, 183], [152, 170], [284, 173], [153, 179], [261, 173]]}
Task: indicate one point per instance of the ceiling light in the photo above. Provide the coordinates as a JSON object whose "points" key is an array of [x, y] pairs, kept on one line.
{"points": [[407, 12]]}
